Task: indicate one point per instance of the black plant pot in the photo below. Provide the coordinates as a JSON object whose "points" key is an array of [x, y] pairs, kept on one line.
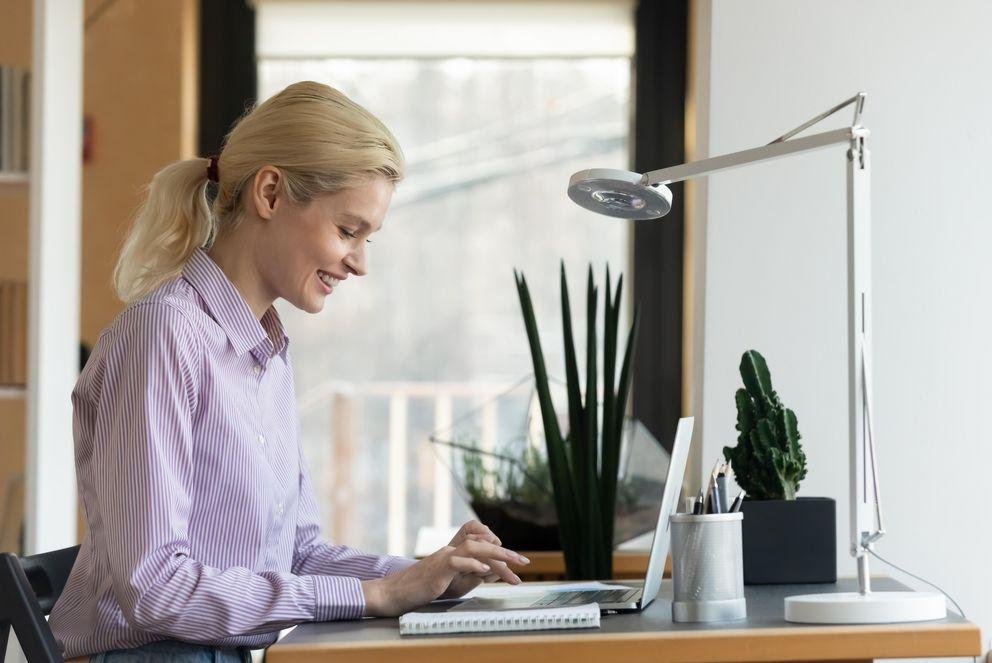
{"points": [[520, 526], [790, 541]]}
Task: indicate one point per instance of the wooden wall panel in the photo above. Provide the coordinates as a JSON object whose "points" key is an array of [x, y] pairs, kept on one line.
{"points": [[15, 50], [11, 472], [139, 89], [139, 96]]}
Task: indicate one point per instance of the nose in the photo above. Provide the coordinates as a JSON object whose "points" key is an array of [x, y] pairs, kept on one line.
{"points": [[355, 261]]}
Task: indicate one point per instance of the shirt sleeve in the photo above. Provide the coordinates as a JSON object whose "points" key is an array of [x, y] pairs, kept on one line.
{"points": [[142, 460], [314, 555]]}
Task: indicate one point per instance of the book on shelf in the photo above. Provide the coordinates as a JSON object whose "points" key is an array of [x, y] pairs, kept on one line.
{"points": [[462, 617], [13, 332], [15, 116]]}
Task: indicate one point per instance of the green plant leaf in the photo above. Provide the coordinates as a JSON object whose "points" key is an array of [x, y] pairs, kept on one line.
{"points": [[623, 391], [591, 442], [566, 500], [609, 458], [576, 416]]}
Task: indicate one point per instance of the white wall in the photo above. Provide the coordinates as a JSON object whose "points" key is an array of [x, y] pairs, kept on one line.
{"points": [[772, 239]]}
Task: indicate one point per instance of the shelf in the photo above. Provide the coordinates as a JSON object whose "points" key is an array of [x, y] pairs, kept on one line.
{"points": [[8, 178], [12, 392]]}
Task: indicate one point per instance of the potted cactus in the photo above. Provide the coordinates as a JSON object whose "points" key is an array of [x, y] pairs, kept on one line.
{"points": [[786, 539]]}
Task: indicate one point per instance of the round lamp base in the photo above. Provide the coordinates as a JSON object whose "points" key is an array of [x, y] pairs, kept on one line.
{"points": [[874, 608]]}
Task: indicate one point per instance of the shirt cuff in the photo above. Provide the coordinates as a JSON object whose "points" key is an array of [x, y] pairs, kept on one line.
{"points": [[397, 564], [337, 597]]}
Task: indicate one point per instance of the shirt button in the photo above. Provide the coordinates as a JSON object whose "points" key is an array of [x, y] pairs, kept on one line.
{"points": [[256, 369], [279, 509], [261, 439]]}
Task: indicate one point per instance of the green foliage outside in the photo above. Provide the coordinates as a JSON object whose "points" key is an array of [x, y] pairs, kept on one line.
{"points": [[525, 482], [505, 480]]}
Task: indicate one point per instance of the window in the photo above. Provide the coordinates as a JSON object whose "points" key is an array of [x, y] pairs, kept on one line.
{"points": [[495, 105]]}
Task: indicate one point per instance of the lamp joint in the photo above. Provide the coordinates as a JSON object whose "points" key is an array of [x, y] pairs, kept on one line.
{"points": [[858, 151]]}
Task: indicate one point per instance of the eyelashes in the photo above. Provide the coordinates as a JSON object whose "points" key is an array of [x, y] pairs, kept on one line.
{"points": [[351, 235]]}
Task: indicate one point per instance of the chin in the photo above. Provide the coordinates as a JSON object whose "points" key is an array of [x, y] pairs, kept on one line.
{"points": [[314, 306], [308, 304]]}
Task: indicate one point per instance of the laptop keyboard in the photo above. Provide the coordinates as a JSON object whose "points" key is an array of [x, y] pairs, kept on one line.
{"points": [[558, 599]]}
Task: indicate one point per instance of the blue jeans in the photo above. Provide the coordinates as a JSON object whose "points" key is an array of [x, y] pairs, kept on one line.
{"points": [[174, 651]]}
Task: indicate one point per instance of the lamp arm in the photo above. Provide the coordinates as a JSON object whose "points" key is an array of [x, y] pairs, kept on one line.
{"points": [[782, 146], [692, 169], [859, 105]]}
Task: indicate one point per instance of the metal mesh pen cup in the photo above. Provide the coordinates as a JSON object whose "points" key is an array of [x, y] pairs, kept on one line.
{"points": [[707, 567]]}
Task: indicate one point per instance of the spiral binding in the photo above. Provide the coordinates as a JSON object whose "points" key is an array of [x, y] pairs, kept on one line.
{"points": [[586, 616]]}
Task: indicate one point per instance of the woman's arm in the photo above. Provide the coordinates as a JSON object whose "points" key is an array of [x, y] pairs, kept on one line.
{"points": [[314, 555], [142, 464], [393, 585]]}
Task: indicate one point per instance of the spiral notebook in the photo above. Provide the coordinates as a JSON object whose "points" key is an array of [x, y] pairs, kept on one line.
{"points": [[450, 617]]}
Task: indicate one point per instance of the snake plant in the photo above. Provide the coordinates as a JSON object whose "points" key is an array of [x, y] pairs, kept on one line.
{"points": [[584, 462]]}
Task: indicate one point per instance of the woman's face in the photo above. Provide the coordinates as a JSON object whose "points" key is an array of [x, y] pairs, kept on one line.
{"points": [[309, 250]]}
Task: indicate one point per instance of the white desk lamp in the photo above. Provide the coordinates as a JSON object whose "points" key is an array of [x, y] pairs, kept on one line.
{"points": [[629, 195]]}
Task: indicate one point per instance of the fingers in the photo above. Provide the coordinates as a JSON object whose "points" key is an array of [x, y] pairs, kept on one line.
{"points": [[475, 528], [475, 540], [469, 565], [503, 572], [488, 572], [485, 550], [479, 537], [494, 556]]}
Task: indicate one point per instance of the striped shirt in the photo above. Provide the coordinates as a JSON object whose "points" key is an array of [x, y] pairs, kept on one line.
{"points": [[202, 523]]}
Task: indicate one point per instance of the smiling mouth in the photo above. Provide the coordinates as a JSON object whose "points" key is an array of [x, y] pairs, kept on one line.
{"points": [[327, 279]]}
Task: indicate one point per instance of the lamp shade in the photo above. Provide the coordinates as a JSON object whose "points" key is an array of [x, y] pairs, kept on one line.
{"points": [[619, 193]]}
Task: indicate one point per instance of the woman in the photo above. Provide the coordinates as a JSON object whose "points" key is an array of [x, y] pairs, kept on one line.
{"points": [[202, 534]]}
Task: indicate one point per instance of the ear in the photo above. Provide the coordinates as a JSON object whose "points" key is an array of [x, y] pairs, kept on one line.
{"points": [[266, 191]]}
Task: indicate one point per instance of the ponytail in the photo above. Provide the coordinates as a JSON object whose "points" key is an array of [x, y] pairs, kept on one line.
{"points": [[173, 220]]}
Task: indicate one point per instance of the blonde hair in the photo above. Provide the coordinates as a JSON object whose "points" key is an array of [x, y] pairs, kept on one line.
{"points": [[320, 140]]}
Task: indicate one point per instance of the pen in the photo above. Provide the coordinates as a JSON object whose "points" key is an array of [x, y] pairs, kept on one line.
{"points": [[697, 508], [716, 503], [721, 483], [736, 506], [710, 485]]}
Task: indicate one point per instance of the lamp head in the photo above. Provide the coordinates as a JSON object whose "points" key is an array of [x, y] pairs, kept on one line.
{"points": [[619, 193]]}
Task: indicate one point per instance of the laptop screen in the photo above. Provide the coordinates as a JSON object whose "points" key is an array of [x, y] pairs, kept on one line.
{"points": [[669, 503]]}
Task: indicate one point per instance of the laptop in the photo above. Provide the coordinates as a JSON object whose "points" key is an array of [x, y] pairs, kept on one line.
{"points": [[632, 596]]}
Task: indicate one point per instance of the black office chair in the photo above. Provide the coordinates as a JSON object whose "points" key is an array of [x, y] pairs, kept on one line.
{"points": [[29, 587]]}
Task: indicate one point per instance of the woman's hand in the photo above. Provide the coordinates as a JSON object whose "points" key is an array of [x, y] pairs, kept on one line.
{"points": [[474, 530], [474, 555]]}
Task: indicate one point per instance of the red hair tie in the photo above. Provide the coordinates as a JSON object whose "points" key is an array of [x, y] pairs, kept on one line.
{"points": [[213, 174]]}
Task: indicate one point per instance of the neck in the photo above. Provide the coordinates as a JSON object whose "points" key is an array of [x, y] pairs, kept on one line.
{"points": [[234, 256]]}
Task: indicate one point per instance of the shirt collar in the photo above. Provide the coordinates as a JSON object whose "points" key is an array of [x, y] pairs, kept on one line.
{"points": [[226, 305]]}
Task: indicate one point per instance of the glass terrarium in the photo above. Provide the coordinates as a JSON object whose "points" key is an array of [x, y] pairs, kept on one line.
{"points": [[498, 458]]}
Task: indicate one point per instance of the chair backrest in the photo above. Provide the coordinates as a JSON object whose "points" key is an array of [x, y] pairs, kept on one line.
{"points": [[29, 587]]}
